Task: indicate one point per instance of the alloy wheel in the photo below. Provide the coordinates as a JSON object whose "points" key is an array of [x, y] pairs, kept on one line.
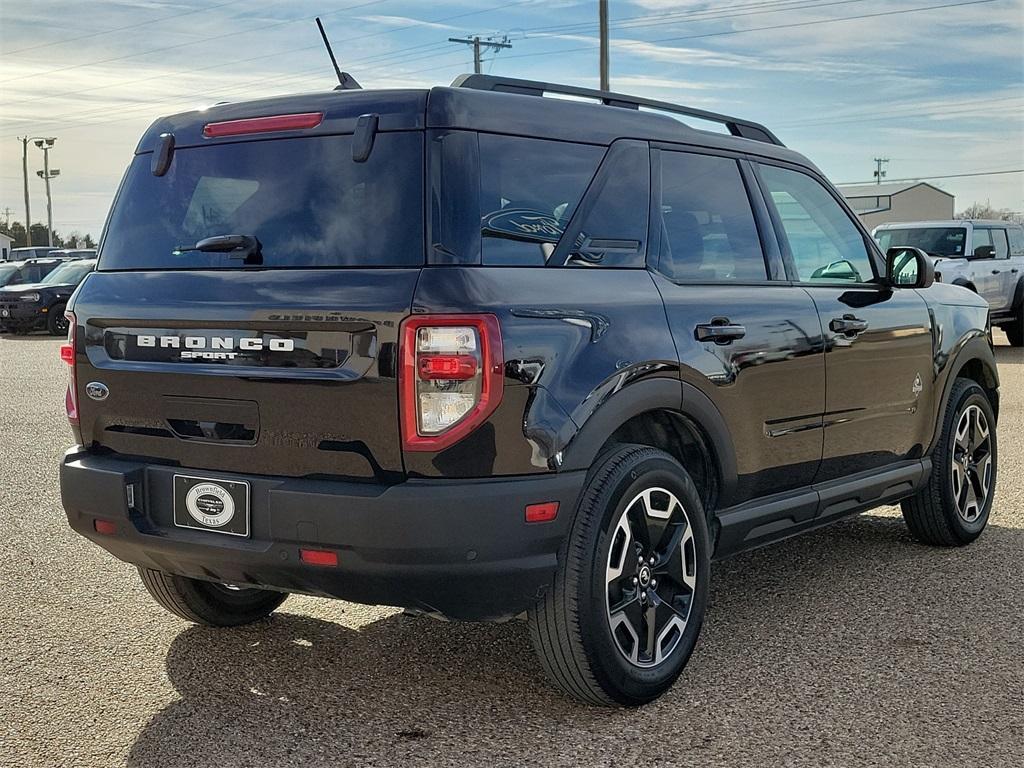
{"points": [[971, 470], [651, 577]]}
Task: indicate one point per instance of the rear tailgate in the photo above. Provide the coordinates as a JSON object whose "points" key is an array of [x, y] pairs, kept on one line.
{"points": [[277, 358], [270, 372]]}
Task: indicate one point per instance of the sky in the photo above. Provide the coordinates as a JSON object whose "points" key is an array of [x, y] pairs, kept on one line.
{"points": [[935, 86]]}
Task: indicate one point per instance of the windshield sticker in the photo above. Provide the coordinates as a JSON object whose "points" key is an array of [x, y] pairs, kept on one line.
{"points": [[522, 224]]}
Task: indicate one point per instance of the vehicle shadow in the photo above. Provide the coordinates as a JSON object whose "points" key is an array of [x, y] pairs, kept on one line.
{"points": [[851, 645]]}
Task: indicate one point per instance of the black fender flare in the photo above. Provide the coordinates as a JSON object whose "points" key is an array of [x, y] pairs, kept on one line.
{"points": [[964, 283], [972, 349], [647, 395]]}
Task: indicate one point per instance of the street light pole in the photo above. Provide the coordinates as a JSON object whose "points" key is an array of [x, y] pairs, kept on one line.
{"points": [[24, 170], [46, 175]]}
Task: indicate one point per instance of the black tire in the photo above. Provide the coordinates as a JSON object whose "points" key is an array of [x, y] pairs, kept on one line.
{"points": [[1015, 330], [933, 515], [56, 323], [571, 627], [207, 603]]}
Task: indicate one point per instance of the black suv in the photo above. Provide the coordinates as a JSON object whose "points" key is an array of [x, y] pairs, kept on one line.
{"points": [[481, 353], [26, 307]]}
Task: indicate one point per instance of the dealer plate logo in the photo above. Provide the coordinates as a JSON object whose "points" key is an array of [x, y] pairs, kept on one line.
{"points": [[209, 504]]}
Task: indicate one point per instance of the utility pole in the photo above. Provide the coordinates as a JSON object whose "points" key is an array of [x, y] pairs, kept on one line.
{"points": [[603, 18], [46, 174], [879, 173], [24, 170], [477, 44]]}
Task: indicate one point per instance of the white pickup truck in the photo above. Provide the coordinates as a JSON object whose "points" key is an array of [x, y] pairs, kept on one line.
{"points": [[985, 256]]}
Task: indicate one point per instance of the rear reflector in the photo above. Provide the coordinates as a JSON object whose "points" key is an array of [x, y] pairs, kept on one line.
{"points": [[454, 367], [318, 557], [67, 353], [542, 513], [263, 124], [105, 527]]}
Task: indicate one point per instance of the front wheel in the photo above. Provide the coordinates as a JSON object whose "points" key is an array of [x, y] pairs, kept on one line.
{"points": [[626, 605], [953, 508], [207, 603], [56, 321]]}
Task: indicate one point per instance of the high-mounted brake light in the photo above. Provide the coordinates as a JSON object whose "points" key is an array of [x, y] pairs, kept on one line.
{"points": [[451, 377], [67, 354], [262, 124]]}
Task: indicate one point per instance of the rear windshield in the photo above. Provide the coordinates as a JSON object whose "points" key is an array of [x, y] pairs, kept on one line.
{"points": [[305, 200], [935, 241]]}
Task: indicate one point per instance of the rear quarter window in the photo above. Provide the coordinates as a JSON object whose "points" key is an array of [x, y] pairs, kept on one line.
{"points": [[305, 199], [529, 189]]}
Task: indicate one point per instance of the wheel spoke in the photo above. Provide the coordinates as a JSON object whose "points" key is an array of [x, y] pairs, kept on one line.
{"points": [[622, 551]]}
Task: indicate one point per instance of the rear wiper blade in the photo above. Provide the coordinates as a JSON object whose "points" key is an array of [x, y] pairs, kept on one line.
{"points": [[244, 247]]}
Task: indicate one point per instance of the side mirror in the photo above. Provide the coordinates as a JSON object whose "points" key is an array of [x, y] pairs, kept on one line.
{"points": [[907, 267], [985, 252]]}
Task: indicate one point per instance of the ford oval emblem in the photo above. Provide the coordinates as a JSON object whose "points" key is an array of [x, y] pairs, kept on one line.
{"points": [[96, 390]]}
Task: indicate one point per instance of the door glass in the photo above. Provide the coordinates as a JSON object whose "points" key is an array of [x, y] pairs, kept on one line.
{"points": [[708, 229], [826, 245], [1001, 244], [982, 237], [1017, 241]]}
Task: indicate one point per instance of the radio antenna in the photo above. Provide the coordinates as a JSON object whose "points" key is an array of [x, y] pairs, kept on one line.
{"points": [[345, 81]]}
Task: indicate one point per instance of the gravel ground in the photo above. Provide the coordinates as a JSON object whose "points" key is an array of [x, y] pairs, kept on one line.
{"points": [[851, 646]]}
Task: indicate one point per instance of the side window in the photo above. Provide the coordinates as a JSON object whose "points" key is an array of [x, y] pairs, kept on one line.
{"points": [[1001, 244], [1016, 241], [529, 189], [826, 245], [708, 229], [982, 238]]}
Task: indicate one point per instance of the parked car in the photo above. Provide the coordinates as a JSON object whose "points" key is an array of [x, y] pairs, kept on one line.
{"points": [[29, 306], [478, 353], [27, 271], [74, 253], [35, 252], [986, 257]]}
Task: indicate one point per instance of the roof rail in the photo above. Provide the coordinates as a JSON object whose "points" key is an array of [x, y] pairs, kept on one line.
{"points": [[737, 127]]}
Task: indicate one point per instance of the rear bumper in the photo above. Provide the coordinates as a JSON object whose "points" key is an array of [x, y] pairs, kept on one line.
{"points": [[460, 548]]}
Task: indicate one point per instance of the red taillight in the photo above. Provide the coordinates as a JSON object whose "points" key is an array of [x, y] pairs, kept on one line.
{"points": [[105, 527], [451, 377], [542, 513], [263, 124], [67, 354], [318, 557]]}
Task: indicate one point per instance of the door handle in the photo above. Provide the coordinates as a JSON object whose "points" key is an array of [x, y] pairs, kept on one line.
{"points": [[1014, 270], [848, 325], [995, 271], [720, 331]]}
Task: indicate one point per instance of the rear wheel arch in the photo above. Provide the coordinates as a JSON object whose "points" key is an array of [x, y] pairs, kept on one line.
{"points": [[672, 416]]}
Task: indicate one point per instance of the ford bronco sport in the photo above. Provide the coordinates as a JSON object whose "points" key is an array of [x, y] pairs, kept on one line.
{"points": [[481, 353], [984, 256]]}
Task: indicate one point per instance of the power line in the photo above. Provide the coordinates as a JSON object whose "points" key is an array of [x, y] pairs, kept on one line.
{"points": [[159, 20], [263, 56], [232, 34], [936, 178], [793, 25]]}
